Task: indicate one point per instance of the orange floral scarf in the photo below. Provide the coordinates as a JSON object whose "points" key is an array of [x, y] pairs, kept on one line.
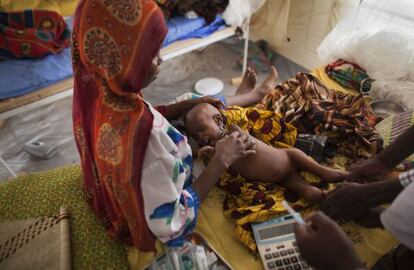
{"points": [[114, 43]]}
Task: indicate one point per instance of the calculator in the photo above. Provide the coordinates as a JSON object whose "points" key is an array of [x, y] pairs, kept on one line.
{"points": [[276, 243]]}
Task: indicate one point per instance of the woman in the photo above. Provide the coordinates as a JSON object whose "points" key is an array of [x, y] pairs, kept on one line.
{"points": [[137, 167]]}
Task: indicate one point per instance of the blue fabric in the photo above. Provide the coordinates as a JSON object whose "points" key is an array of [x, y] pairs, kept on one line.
{"points": [[222, 99], [180, 28], [19, 77], [179, 241]]}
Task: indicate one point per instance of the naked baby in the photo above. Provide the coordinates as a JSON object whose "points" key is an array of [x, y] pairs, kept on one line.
{"points": [[207, 125]]}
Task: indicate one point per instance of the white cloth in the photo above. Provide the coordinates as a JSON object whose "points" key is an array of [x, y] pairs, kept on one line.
{"points": [[238, 11], [398, 219], [170, 203]]}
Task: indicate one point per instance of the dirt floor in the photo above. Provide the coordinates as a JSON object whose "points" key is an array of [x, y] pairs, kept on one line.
{"points": [[52, 123]]}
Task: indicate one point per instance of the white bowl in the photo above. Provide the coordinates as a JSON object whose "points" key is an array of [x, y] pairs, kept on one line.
{"points": [[209, 86]]}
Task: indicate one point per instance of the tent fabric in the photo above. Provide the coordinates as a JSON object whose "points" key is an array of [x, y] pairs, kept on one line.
{"points": [[298, 27]]}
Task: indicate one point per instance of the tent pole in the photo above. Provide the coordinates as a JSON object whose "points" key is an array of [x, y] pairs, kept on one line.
{"points": [[7, 167], [246, 45]]}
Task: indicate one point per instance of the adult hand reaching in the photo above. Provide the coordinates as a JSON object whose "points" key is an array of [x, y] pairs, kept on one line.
{"points": [[227, 150], [174, 110], [234, 146], [370, 169], [324, 245], [210, 100], [347, 202], [350, 201]]}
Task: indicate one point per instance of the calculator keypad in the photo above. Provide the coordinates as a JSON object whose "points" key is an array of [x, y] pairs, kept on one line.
{"points": [[284, 257]]}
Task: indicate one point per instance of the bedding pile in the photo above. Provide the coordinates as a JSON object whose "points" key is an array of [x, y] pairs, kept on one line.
{"points": [[32, 34]]}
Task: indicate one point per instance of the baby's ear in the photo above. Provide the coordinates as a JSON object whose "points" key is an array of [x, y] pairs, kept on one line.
{"points": [[218, 118]]}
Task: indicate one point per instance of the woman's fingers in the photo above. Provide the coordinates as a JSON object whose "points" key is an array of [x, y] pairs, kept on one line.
{"points": [[249, 152]]}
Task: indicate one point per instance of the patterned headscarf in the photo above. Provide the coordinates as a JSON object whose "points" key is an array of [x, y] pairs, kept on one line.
{"points": [[114, 43]]}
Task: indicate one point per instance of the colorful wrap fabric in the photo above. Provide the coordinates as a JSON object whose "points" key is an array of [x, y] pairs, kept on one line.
{"points": [[349, 75], [249, 201], [311, 107], [265, 126], [32, 34], [114, 43]]}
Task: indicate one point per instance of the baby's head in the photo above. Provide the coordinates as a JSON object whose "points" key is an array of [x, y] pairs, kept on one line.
{"points": [[205, 124]]}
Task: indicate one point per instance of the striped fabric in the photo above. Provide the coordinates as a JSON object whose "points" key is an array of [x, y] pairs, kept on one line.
{"points": [[393, 126], [310, 106]]}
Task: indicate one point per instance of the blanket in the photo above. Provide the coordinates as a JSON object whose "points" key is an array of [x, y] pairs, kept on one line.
{"points": [[32, 34], [311, 107], [306, 103]]}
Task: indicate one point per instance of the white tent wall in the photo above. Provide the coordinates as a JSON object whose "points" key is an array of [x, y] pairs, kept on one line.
{"points": [[295, 28]]}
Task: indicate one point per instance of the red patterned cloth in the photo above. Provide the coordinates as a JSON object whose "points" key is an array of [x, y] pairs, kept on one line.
{"points": [[32, 34], [114, 43]]}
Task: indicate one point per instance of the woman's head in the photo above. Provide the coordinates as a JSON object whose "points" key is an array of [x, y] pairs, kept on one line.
{"points": [[119, 41], [153, 71]]}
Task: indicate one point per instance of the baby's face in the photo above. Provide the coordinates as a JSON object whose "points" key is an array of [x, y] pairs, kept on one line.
{"points": [[205, 124]]}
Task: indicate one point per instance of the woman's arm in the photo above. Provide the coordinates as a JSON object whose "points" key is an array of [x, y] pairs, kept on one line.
{"points": [[244, 100], [174, 110], [170, 209], [383, 162], [351, 201], [401, 148]]}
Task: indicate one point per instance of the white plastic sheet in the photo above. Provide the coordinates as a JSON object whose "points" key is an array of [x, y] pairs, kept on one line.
{"points": [[239, 10], [377, 36]]}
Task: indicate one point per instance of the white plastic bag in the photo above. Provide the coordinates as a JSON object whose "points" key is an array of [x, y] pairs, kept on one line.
{"points": [[401, 92], [239, 10], [378, 37]]}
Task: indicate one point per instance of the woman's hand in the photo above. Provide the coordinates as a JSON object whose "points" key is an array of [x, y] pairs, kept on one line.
{"points": [[205, 152], [324, 245], [347, 202], [370, 169], [210, 100], [174, 110], [234, 146]]}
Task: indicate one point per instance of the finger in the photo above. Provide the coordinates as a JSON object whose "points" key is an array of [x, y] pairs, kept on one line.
{"points": [[250, 144], [320, 221], [236, 128], [249, 152], [301, 233]]}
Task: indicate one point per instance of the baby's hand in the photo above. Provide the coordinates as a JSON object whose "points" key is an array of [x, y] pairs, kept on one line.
{"points": [[205, 152]]}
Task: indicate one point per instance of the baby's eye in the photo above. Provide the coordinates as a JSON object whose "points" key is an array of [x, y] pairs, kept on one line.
{"points": [[205, 141], [202, 128]]}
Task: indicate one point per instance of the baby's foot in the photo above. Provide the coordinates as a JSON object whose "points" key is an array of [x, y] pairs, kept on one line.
{"points": [[336, 176], [269, 83], [314, 195], [248, 83]]}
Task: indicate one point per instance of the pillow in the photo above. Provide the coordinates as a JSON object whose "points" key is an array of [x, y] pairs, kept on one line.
{"points": [[393, 126]]}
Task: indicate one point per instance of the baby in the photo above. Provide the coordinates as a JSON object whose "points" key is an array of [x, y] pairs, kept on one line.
{"points": [[207, 125]]}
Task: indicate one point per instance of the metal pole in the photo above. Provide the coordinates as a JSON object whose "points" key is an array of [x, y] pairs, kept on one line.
{"points": [[7, 167], [246, 45]]}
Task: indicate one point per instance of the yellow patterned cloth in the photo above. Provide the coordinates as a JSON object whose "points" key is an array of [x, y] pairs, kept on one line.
{"points": [[63, 7], [265, 126]]}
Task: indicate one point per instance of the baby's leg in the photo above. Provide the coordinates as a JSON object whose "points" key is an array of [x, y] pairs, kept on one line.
{"points": [[305, 163], [296, 183]]}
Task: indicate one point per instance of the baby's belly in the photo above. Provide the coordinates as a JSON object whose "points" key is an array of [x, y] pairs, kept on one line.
{"points": [[268, 164]]}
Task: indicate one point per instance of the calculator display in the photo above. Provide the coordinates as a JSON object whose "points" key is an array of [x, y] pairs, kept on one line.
{"points": [[276, 231]]}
